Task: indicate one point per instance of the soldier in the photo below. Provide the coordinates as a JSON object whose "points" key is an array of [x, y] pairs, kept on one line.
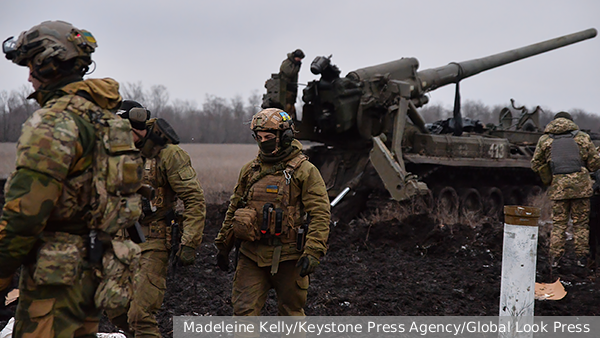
{"points": [[288, 72], [568, 155], [44, 227], [267, 213], [168, 169]]}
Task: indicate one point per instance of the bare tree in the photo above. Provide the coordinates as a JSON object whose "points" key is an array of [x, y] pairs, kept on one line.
{"points": [[133, 91]]}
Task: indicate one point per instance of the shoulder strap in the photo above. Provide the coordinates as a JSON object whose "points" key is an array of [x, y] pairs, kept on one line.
{"points": [[291, 166]]}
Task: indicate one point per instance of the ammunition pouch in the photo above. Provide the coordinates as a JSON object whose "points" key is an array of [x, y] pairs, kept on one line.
{"points": [[60, 259], [120, 263], [245, 227], [157, 229]]}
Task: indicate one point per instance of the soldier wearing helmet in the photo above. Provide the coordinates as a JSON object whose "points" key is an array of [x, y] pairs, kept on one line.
{"points": [[288, 73], [564, 157], [43, 228], [168, 169], [279, 215]]}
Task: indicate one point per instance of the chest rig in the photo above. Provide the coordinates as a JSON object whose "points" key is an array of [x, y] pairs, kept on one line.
{"points": [[163, 202], [269, 193]]}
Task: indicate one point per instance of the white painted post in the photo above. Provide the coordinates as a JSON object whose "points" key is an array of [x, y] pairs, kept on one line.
{"points": [[519, 253]]}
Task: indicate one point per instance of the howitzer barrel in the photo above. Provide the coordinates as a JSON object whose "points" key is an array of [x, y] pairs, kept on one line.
{"points": [[431, 79]]}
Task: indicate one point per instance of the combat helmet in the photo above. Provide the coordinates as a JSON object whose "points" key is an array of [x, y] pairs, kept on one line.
{"points": [[276, 121], [52, 48]]}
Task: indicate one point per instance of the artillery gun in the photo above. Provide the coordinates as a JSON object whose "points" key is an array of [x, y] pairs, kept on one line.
{"points": [[361, 122]]}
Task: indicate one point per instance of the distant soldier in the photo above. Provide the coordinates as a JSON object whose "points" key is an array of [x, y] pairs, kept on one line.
{"points": [[288, 72], [51, 196], [568, 155], [279, 212], [168, 169]]}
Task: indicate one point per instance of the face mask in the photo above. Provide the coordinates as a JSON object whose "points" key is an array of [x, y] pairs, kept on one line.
{"points": [[268, 147]]}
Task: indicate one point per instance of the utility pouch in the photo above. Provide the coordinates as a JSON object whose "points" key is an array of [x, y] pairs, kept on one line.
{"points": [[120, 264], [300, 237], [245, 227], [278, 221], [59, 260], [266, 220]]}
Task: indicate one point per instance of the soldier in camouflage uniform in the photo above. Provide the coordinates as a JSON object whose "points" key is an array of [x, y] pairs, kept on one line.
{"points": [[52, 152], [288, 72], [267, 213], [570, 156], [168, 169]]}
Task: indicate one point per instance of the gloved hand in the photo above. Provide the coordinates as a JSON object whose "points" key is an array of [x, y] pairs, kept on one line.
{"points": [[223, 261], [186, 255], [307, 264]]}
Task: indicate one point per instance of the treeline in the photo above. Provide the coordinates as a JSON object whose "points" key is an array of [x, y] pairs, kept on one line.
{"points": [[220, 120]]}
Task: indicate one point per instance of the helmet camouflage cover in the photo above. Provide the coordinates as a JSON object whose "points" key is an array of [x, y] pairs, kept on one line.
{"points": [[56, 40], [271, 119]]}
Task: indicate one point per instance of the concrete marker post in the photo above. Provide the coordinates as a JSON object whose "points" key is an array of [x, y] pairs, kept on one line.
{"points": [[519, 254]]}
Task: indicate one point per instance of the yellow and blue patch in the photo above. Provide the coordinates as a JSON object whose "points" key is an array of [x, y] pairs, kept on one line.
{"points": [[285, 116], [272, 189]]}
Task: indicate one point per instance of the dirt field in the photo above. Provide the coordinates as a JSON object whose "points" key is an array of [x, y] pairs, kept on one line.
{"points": [[386, 262]]}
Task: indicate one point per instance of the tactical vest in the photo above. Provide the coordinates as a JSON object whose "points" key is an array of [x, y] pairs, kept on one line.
{"points": [[100, 191], [101, 188], [268, 193], [160, 206], [564, 154]]}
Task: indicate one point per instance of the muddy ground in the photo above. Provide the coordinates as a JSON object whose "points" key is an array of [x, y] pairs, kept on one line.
{"points": [[409, 267]]}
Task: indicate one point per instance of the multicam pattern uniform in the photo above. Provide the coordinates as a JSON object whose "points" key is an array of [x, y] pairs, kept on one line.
{"points": [[569, 193], [253, 278], [57, 295], [172, 175], [288, 72]]}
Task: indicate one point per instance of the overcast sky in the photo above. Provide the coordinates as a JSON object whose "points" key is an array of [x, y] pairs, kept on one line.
{"points": [[229, 48]]}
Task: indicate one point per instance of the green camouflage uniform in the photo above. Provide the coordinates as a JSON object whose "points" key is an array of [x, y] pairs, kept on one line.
{"points": [[253, 277], [56, 299], [569, 193], [288, 72], [172, 175]]}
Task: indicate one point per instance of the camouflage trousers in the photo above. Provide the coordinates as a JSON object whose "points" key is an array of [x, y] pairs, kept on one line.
{"points": [[148, 295], [57, 310], [251, 285], [579, 210]]}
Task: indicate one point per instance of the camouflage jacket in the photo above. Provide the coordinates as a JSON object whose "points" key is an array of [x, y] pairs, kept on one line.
{"points": [[175, 176], [289, 70], [308, 187], [573, 185], [50, 152]]}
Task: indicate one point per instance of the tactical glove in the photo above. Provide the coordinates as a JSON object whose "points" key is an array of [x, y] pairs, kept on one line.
{"points": [[223, 261], [307, 264], [186, 255]]}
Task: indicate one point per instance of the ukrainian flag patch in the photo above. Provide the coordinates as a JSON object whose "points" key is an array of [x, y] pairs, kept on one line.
{"points": [[272, 189], [285, 116]]}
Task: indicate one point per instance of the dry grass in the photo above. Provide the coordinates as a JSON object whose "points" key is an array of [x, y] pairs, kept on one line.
{"points": [[217, 165]]}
